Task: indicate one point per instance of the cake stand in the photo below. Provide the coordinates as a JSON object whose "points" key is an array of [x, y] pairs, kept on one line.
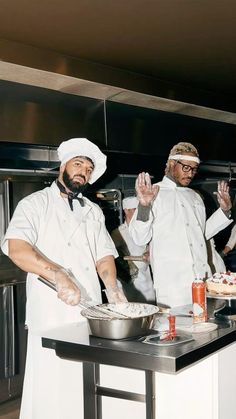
{"points": [[228, 312]]}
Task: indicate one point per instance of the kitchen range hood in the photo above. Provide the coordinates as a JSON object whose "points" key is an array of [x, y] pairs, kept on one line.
{"points": [[38, 67], [18, 156]]}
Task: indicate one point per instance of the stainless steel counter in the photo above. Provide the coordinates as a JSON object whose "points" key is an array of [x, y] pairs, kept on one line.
{"points": [[74, 342]]}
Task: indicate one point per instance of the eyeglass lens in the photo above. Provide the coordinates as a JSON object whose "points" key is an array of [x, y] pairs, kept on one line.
{"points": [[187, 168]]}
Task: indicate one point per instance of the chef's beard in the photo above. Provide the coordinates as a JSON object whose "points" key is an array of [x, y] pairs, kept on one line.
{"points": [[73, 186]]}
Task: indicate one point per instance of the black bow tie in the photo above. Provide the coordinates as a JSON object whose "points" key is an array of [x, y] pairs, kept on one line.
{"points": [[70, 195]]}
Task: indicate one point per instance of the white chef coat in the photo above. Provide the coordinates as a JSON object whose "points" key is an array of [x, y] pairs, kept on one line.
{"points": [[141, 288], [76, 240], [177, 229]]}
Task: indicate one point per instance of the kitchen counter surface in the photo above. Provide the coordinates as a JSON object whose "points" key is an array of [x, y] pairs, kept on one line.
{"points": [[73, 341]]}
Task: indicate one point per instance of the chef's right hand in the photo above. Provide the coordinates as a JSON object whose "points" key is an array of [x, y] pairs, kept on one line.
{"points": [[146, 192], [67, 290]]}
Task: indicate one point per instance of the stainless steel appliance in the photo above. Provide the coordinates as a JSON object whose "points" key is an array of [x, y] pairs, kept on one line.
{"points": [[14, 185], [110, 201]]}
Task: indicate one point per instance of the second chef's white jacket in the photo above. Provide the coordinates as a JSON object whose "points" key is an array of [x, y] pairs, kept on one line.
{"points": [[176, 230]]}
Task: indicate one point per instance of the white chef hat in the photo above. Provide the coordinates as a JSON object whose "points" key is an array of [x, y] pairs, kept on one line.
{"points": [[130, 202], [83, 147]]}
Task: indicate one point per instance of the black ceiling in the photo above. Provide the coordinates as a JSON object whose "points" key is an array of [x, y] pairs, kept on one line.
{"points": [[190, 42]]}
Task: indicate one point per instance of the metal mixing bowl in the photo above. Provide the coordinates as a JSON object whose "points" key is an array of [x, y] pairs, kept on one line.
{"points": [[121, 328]]}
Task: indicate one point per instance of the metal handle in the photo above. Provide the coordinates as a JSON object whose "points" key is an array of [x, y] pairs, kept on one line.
{"points": [[48, 283], [134, 258], [89, 305], [53, 287], [9, 331]]}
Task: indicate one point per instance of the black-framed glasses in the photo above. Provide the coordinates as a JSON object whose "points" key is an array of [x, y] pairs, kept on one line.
{"points": [[187, 168]]}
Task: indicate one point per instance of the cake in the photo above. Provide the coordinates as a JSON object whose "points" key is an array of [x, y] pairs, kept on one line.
{"points": [[222, 283]]}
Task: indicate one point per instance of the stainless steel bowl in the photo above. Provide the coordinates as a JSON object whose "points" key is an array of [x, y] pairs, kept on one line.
{"points": [[121, 328]]}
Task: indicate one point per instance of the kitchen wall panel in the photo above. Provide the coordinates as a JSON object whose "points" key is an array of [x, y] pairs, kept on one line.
{"points": [[134, 138], [41, 116]]}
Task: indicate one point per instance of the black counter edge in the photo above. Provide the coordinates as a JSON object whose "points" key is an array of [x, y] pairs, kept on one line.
{"points": [[209, 348]]}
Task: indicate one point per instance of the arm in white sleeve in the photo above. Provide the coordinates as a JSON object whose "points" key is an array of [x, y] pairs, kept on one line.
{"points": [[232, 240], [140, 227], [216, 222]]}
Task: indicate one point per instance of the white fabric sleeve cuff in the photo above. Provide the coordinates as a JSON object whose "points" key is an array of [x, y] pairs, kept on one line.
{"points": [[217, 222]]}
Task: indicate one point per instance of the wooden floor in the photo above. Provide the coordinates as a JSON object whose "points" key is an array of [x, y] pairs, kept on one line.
{"points": [[10, 410]]}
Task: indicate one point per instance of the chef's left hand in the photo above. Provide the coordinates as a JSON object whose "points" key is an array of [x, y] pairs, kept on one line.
{"points": [[223, 196], [115, 295]]}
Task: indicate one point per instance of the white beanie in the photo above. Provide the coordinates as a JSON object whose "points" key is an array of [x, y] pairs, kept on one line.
{"points": [[130, 202], [83, 147]]}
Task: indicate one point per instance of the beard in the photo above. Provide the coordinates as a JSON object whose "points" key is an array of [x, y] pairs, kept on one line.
{"points": [[74, 186]]}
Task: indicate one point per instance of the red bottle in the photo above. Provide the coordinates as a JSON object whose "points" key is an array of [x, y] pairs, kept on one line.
{"points": [[199, 301], [172, 331]]}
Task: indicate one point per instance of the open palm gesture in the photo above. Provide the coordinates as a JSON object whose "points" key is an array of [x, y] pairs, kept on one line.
{"points": [[146, 192], [223, 195]]}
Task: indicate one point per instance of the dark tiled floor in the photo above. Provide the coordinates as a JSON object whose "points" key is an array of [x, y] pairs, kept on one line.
{"points": [[10, 410]]}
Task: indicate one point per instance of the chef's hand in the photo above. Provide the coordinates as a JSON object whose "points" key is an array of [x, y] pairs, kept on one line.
{"points": [[146, 256], [67, 290], [146, 192], [225, 251], [133, 269], [115, 295], [223, 196]]}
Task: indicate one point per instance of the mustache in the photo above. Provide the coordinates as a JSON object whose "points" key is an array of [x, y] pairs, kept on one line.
{"points": [[80, 176]]}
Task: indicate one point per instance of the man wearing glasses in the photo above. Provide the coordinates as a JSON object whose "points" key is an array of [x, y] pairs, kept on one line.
{"points": [[171, 217]]}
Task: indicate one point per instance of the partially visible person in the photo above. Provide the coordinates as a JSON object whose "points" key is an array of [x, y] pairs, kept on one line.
{"points": [[216, 259], [229, 251], [134, 276], [231, 243], [60, 235], [171, 217]]}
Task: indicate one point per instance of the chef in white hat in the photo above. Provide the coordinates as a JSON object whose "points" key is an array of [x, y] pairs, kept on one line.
{"points": [[58, 234], [134, 275], [84, 148]]}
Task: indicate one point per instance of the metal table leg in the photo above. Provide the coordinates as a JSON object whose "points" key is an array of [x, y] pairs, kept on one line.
{"points": [[93, 392]]}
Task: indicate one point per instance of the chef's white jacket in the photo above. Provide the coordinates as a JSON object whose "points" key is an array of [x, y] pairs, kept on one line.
{"points": [[76, 240], [177, 230]]}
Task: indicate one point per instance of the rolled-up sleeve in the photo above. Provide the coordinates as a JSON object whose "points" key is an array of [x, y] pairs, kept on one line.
{"points": [[105, 245], [23, 225], [100, 241]]}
